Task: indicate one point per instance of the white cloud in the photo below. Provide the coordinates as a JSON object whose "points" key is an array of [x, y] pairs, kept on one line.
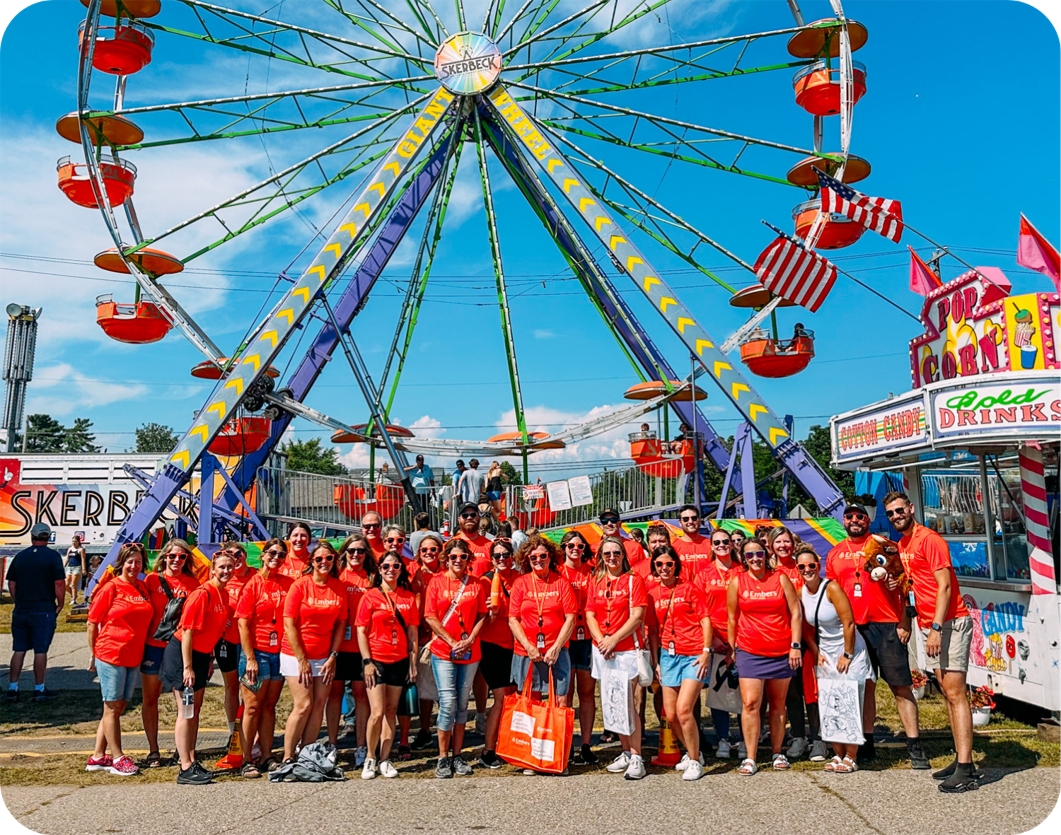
{"points": [[71, 392], [541, 333]]}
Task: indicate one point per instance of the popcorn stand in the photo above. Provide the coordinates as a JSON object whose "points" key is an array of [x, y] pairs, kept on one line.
{"points": [[975, 445]]}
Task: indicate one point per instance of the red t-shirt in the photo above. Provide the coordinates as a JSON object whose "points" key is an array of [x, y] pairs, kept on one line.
{"points": [[580, 578], [480, 548], [206, 613], [315, 609], [610, 599], [635, 554], [182, 585], [379, 548], [871, 602], [714, 582], [355, 582], [123, 612], [293, 566], [924, 552], [556, 600], [763, 623], [496, 629], [261, 603], [387, 641], [696, 555], [234, 588], [674, 615], [471, 605]]}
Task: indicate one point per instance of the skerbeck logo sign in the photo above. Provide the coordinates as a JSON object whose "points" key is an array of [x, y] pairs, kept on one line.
{"points": [[468, 63]]}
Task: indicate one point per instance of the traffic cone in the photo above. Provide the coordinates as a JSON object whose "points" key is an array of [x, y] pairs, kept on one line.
{"points": [[233, 760], [668, 753]]}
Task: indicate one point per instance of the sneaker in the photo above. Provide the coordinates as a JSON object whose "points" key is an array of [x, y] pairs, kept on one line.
{"points": [[123, 767], [686, 760], [947, 771], [798, 748], [369, 770], [349, 729], [444, 769], [421, 740], [818, 752], [586, 755], [480, 723], [360, 755], [694, 772], [724, 750], [194, 775], [636, 769], [961, 780], [918, 760], [867, 751], [742, 751], [529, 772], [12, 695], [44, 695], [388, 770], [489, 760], [102, 763], [619, 764], [461, 768]]}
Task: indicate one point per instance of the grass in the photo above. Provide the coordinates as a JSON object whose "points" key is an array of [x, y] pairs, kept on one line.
{"points": [[62, 625]]}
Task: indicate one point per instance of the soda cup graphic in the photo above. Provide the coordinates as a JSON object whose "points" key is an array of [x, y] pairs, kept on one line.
{"points": [[1027, 356]]}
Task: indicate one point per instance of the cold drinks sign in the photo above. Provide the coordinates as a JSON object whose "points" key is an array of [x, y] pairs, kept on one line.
{"points": [[1030, 405]]}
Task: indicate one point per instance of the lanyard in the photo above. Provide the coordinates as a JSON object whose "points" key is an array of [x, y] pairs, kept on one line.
{"points": [[539, 600], [670, 612]]}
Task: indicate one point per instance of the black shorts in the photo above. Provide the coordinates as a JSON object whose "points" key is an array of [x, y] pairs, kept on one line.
{"points": [[395, 673], [496, 665], [348, 666], [172, 673], [226, 654], [581, 653], [888, 655]]}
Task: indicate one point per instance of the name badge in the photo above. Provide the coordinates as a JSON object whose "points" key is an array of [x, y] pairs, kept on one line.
{"points": [[858, 590], [541, 641], [670, 649], [580, 634], [273, 639], [223, 653], [394, 637]]}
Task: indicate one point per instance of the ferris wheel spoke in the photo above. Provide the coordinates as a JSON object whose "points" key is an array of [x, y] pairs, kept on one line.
{"points": [[434, 31], [500, 36], [531, 34], [386, 33]]}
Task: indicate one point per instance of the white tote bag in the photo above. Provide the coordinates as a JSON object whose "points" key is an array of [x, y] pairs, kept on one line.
{"points": [[722, 693], [840, 706]]}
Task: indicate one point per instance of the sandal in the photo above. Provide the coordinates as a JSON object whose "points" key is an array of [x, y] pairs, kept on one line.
{"points": [[250, 770], [153, 760], [607, 737], [404, 753], [851, 765], [748, 767], [833, 764], [781, 763], [269, 764]]}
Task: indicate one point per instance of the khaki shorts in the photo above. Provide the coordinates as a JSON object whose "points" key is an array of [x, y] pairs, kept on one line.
{"points": [[955, 640]]}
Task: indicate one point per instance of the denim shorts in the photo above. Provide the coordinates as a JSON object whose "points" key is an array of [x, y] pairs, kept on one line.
{"points": [[268, 665], [117, 683], [674, 669], [561, 673], [32, 631], [152, 663]]}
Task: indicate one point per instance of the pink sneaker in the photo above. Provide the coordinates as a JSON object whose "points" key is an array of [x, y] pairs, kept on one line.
{"points": [[123, 767], [104, 763]]}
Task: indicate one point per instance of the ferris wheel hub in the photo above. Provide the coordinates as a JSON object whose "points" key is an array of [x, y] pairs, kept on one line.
{"points": [[468, 63]]}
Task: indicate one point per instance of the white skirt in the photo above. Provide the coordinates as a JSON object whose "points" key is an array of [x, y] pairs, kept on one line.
{"points": [[289, 665], [623, 663]]}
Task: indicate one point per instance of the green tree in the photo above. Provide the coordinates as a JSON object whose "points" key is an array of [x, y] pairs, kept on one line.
{"points": [[510, 474], [154, 437], [44, 434], [79, 438], [311, 457]]}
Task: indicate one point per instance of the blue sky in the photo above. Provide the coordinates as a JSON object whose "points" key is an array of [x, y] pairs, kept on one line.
{"points": [[958, 124]]}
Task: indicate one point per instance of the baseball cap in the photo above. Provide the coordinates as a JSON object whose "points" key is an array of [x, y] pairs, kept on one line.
{"points": [[469, 506], [40, 531], [855, 506]]}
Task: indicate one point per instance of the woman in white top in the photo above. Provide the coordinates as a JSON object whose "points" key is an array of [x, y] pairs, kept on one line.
{"points": [[829, 632]]}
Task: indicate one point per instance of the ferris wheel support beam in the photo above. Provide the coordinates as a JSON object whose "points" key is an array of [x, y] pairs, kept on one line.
{"points": [[243, 376], [523, 129], [616, 312]]}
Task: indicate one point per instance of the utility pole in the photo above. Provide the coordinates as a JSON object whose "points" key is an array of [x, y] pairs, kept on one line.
{"points": [[19, 350]]}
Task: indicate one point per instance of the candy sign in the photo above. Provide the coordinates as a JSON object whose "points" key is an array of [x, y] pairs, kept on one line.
{"points": [[901, 424]]}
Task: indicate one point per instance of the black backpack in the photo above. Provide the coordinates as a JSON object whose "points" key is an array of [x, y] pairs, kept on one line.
{"points": [[171, 615]]}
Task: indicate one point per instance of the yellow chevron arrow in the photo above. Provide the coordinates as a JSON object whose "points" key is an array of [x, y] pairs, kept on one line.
{"points": [[303, 293], [631, 262], [218, 407], [649, 281], [393, 167], [720, 366], [683, 323], [775, 433], [271, 336], [378, 188], [363, 208], [350, 229], [287, 313], [201, 431], [601, 221], [737, 388], [337, 249], [551, 164], [666, 302], [254, 360], [615, 241], [700, 345], [569, 184], [586, 201], [319, 271], [755, 410], [237, 384], [182, 458]]}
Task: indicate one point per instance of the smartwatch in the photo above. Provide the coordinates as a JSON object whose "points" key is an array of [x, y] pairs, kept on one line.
{"points": [[848, 655], [334, 655], [796, 646], [936, 627]]}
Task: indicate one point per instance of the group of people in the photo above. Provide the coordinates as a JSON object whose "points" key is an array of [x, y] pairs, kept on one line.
{"points": [[387, 621]]}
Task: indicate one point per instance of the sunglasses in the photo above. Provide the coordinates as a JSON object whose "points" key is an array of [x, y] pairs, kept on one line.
{"points": [[611, 553], [371, 527], [357, 550], [458, 558], [689, 518], [754, 554], [275, 552], [176, 556], [899, 511], [469, 516], [855, 515], [395, 539], [541, 558], [609, 520], [811, 566], [429, 550], [721, 542], [664, 563], [321, 560], [390, 567], [578, 546], [504, 555]]}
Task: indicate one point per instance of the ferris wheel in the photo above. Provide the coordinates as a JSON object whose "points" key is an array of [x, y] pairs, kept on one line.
{"points": [[394, 98]]}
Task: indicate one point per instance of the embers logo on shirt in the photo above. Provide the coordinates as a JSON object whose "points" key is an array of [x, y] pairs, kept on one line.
{"points": [[760, 595]]}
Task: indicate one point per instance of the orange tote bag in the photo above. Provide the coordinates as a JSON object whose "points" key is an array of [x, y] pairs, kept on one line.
{"points": [[533, 734]]}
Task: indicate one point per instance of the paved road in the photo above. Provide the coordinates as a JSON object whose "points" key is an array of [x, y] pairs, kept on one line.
{"points": [[882, 803]]}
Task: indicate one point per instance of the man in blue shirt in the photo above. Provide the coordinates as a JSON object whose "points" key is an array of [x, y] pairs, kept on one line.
{"points": [[36, 581]]}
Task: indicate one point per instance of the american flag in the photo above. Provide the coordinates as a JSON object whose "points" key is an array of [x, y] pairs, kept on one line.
{"points": [[787, 269], [883, 216]]}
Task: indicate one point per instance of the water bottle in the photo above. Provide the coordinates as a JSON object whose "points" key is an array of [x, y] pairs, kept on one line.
{"points": [[188, 703]]}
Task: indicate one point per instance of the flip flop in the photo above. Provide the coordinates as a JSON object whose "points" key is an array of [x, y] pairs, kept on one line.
{"points": [[153, 760]]}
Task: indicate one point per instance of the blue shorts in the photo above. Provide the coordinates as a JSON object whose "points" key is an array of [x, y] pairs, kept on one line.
{"points": [[117, 683], [581, 653], [561, 673], [32, 631], [674, 669], [268, 665], [493, 495], [152, 663]]}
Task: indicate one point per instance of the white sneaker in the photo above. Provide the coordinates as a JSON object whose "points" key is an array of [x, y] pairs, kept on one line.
{"points": [[636, 769], [686, 760], [724, 750], [388, 770], [360, 755], [694, 772], [369, 771], [742, 751], [619, 764], [480, 723]]}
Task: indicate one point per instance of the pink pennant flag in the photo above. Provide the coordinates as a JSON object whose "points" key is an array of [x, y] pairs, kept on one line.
{"points": [[1035, 253], [922, 280]]}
